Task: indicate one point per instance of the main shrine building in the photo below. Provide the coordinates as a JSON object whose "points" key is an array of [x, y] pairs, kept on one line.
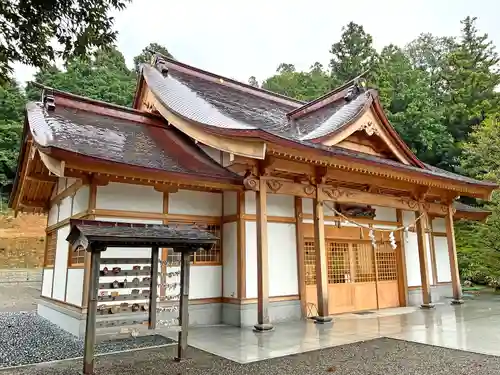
{"points": [[320, 207]]}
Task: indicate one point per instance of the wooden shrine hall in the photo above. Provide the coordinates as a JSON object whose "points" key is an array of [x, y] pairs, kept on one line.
{"points": [[320, 208]]}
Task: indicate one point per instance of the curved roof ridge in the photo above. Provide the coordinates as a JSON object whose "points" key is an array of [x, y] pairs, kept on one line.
{"points": [[235, 84], [341, 118], [183, 101]]}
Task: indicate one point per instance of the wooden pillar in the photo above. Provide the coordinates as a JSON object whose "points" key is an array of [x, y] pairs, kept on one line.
{"points": [[299, 235], [263, 323], [90, 324], [321, 261], [452, 254], [241, 247], [423, 260]]}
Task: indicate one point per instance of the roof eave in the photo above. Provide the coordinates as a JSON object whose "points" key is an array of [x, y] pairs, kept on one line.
{"points": [[20, 161], [72, 157]]}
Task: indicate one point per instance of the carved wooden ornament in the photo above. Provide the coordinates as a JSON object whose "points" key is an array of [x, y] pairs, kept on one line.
{"points": [[251, 183]]}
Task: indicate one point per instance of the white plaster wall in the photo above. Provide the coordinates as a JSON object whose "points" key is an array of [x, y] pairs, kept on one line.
{"points": [[428, 238], [81, 200], [61, 264], [190, 202], [230, 259], [212, 152], [442, 259], [250, 207], [205, 282], [53, 213], [385, 213], [128, 197], [282, 248], [65, 208], [251, 258], [439, 225], [61, 184], [48, 273], [70, 181], [412, 260], [127, 252], [74, 290], [230, 203], [307, 207], [280, 205]]}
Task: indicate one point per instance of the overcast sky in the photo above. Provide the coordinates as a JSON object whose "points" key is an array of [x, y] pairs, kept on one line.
{"points": [[238, 39]]}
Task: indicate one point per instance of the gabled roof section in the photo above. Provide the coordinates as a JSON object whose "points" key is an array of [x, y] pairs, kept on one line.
{"points": [[340, 113], [106, 132]]}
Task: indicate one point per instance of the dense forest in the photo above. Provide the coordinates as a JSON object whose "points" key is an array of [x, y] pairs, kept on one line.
{"points": [[440, 93]]}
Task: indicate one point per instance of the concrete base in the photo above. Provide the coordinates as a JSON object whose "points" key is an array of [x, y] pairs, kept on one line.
{"points": [[246, 315], [74, 322], [322, 319], [427, 306], [265, 327], [438, 293]]}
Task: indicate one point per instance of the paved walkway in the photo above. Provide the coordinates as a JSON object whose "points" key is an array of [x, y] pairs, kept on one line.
{"points": [[474, 327]]}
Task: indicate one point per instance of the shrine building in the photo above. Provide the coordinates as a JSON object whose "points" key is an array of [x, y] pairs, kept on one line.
{"points": [[320, 208]]}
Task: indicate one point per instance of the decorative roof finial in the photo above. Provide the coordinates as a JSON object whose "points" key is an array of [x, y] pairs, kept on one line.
{"points": [[48, 100], [161, 65]]}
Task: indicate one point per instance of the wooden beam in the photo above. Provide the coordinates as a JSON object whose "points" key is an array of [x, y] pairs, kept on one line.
{"points": [[87, 260], [41, 177], [321, 260], [401, 260], [344, 195], [71, 190], [423, 260], [299, 236], [452, 255], [263, 323], [432, 249]]}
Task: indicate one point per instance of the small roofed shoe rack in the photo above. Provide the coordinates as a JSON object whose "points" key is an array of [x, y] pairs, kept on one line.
{"points": [[125, 289]]}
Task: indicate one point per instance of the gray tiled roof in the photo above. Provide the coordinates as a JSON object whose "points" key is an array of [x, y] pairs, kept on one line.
{"points": [[466, 208], [213, 103], [105, 232], [120, 140]]}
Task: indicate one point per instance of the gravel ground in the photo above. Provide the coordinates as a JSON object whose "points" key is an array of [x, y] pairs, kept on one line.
{"points": [[375, 357], [19, 296], [27, 338]]}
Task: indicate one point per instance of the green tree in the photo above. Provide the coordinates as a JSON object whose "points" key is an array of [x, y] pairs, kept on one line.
{"points": [[147, 53], [30, 27], [352, 55], [104, 76], [12, 103], [410, 104], [428, 53], [252, 81], [470, 76], [299, 85]]}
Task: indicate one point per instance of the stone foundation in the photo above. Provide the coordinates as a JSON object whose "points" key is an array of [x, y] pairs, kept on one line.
{"points": [[439, 293]]}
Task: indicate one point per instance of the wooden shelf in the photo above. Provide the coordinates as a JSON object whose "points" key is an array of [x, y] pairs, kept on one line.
{"points": [[124, 310], [130, 285], [134, 261], [123, 297], [127, 273], [120, 323]]}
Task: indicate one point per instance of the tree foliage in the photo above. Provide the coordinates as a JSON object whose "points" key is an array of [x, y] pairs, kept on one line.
{"points": [[469, 78], [103, 76], [352, 55], [147, 53], [30, 28], [300, 85], [11, 113]]}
